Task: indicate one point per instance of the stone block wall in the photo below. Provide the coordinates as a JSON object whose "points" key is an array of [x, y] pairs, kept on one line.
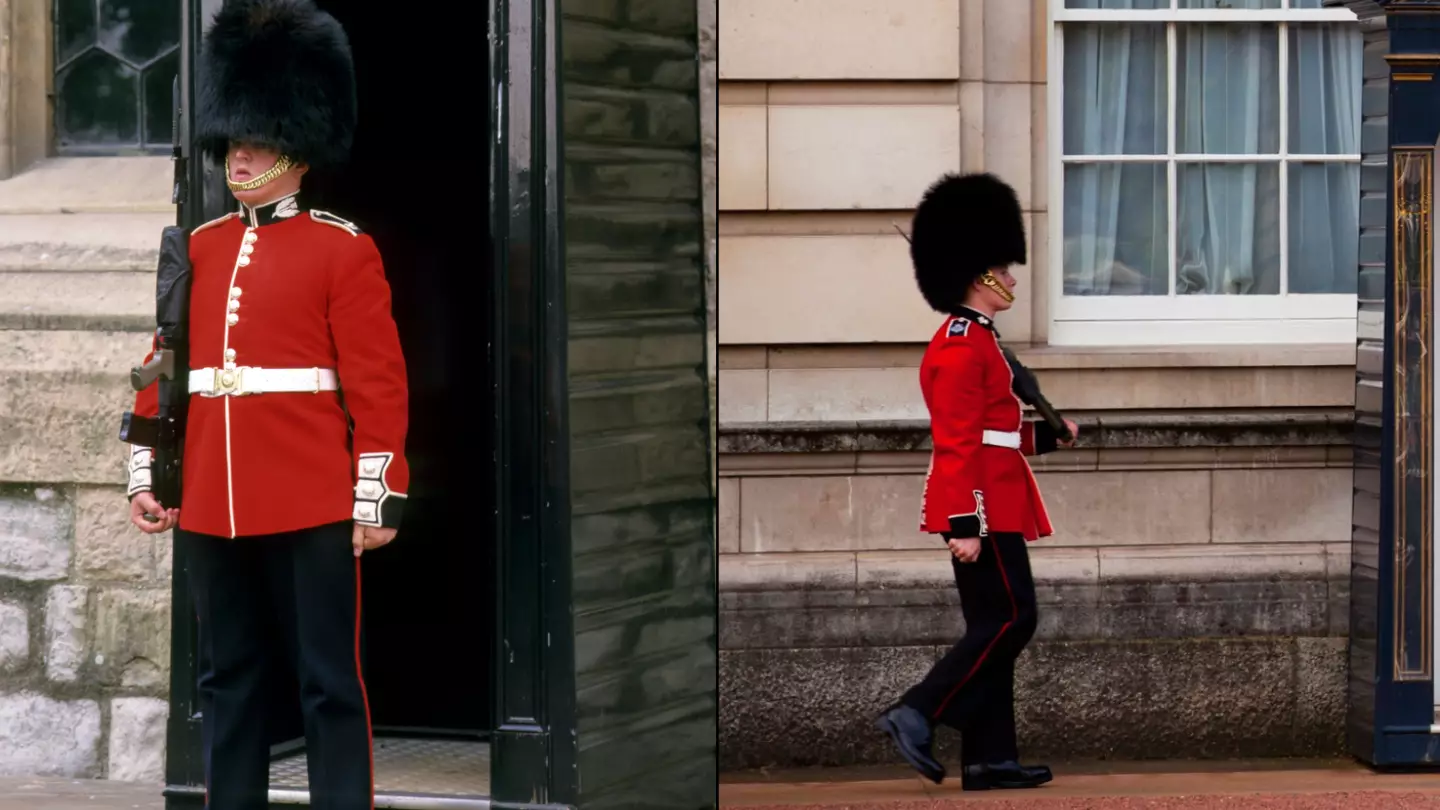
{"points": [[1193, 601], [84, 635]]}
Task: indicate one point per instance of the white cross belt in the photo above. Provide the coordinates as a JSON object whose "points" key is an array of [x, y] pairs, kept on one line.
{"points": [[237, 382]]}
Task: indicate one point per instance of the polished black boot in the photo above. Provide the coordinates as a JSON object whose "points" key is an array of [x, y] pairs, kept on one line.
{"points": [[1004, 776], [911, 733]]}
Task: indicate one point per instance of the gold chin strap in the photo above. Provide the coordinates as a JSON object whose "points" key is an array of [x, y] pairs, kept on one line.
{"points": [[281, 166], [989, 280]]}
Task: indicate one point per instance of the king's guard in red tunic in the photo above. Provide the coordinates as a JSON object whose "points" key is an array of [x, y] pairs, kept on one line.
{"points": [[980, 495], [294, 453], [291, 342]]}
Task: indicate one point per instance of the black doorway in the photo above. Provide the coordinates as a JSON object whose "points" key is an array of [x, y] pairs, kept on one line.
{"points": [[421, 193]]}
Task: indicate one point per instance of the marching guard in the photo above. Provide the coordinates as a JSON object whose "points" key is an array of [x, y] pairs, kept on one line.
{"points": [[980, 496], [294, 445]]}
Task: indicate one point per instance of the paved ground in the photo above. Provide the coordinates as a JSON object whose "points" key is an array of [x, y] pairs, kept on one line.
{"points": [[1256, 785], [1330, 785], [77, 794]]}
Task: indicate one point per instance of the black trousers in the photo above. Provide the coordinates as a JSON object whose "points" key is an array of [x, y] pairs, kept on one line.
{"points": [[281, 600], [972, 688]]}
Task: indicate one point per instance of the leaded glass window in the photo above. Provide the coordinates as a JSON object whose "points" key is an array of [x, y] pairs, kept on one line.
{"points": [[115, 62]]}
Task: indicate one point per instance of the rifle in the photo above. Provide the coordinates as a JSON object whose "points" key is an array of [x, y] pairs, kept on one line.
{"points": [[1027, 387], [169, 365]]}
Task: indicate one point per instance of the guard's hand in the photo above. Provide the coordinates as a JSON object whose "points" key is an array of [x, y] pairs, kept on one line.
{"points": [[367, 538], [149, 516], [1074, 434], [966, 550]]}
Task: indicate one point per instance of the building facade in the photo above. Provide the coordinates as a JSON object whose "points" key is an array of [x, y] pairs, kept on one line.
{"points": [[85, 188], [1190, 173]]}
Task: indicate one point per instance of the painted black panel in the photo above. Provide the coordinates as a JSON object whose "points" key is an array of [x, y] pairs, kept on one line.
{"points": [[641, 493]]}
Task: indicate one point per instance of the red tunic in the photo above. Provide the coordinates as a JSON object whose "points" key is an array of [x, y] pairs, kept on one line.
{"points": [[976, 484], [280, 287]]}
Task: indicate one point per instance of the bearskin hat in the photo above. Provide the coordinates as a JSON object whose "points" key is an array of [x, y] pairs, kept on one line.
{"points": [[964, 226], [277, 73]]}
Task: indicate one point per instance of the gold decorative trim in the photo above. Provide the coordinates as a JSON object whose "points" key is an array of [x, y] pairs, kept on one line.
{"points": [[1412, 77], [1413, 189], [1413, 58]]}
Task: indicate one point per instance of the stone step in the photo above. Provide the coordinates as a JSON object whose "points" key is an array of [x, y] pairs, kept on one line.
{"points": [[80, 242], [78, 300], [97, 185], [79, 271], [61, 396]]}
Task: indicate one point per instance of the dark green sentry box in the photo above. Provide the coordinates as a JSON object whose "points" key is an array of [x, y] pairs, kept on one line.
{"points": [[542, 633]]}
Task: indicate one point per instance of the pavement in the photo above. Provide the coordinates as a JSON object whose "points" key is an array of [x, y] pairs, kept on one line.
{"points": [[1255, 785], [77, 794], [1251, 785]]}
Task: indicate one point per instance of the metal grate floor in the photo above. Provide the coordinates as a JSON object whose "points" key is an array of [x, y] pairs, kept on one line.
{"points": [[417, 768]]}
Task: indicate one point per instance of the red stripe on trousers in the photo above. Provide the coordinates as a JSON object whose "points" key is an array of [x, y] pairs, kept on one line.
{"points": [[1014, 616], [364, 696]]}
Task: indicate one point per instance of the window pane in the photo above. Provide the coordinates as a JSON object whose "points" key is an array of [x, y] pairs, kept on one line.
{"points": [[1114, 89], [1143, 5], [1324, 227], [75, 28], [1227, 89], [1325, 82], [97, 102], [1115, 240], [1228, 229], [1307, 4], [1226, 5], [139, 30]]}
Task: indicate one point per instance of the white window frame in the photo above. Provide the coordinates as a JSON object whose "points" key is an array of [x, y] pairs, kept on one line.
{"points": [[1189, 319]]}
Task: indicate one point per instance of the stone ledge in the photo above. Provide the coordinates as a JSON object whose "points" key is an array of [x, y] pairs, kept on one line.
{"points": [[1200, 698], [71, 322], [1093, 459], [751, 620], [1320, 427], [881, 570], [739, 356]]}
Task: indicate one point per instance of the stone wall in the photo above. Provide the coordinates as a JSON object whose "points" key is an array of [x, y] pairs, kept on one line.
{"points": [[84, 597], [1193, 602], [84, 635]]}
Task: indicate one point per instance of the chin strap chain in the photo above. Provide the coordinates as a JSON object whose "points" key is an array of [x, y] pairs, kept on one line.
{"points": [[989, 280], [281, 166]]}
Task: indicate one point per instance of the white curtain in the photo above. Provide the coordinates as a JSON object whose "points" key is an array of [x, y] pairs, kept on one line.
{"points": [[1324, 202], [1228, 227]]}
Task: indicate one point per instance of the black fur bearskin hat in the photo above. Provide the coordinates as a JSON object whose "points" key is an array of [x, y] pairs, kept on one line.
{"points": [[964, 226], [278, 73]]}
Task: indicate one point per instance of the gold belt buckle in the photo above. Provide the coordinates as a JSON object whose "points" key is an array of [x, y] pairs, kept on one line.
{"points": [[229, 382]]}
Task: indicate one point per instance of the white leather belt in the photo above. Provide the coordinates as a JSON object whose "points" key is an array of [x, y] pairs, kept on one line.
{"points": [[239, 382], [1002, 438]]}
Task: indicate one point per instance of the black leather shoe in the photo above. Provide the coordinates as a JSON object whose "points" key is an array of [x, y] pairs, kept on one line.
{"points": [[1004, 776], [911, 734]]}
